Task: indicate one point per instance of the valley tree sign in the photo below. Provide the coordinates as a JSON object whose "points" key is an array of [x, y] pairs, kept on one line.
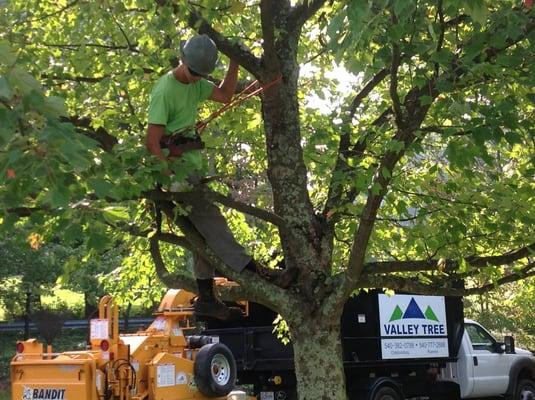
{"points": [[413, 326]]}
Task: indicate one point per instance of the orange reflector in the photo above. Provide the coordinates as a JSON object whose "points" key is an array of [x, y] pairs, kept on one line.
{"points": [[20, 347]]}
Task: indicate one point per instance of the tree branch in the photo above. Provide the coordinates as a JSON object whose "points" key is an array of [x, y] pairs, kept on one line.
{"points": [[176, 280], [26, 211], [303, 12], [76, 46], [440, 14], [383, 177], [447, 265], [396, 61], [246, 208], [191, 198], [475, 205], [102, 136], [412, 285], [170, 238], [130, 46], [257, 289], [524, 273], [236, 52], [335, 190], [80, 79], [91, 79], [186, 281], [71, 4], [140, 124], [416, 113], [268, 33]]}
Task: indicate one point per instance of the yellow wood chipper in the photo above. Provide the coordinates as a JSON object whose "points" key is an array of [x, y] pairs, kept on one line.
{"points": [[158, 363]]}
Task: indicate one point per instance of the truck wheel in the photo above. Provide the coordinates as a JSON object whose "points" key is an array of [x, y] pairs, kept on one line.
{"points": [[215, 370], [525, 390], [386, 393]]}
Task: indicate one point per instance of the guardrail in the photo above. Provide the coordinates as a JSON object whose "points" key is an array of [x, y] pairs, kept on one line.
{"points": [[72, 324]]}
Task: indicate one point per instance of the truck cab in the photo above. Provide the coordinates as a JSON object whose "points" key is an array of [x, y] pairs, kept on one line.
{"points": [[486, 367]]}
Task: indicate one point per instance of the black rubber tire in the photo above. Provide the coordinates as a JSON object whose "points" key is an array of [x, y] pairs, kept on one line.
{"points": [[215, 370], [525, 390], [386, 393]]}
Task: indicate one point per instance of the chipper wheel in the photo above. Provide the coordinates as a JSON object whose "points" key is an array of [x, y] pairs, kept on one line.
{"points": [[215, 370]]}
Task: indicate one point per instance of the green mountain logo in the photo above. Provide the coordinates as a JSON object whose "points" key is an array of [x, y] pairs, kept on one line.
{"points": [[413, 311], [397, 314], [430, 314]]}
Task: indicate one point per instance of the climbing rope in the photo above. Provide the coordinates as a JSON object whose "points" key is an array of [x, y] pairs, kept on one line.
{"points": [[237, 100]]}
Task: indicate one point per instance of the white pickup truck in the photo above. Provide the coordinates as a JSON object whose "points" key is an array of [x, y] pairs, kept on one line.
{"points": [[488, 368]]}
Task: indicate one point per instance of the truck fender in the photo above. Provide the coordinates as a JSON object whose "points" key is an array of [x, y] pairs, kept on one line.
{"points": [[523, 364], [379, 383]]}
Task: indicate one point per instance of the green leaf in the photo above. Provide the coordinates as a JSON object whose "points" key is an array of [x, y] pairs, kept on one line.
{"points": [[101, 187], [425, 100], [14, 155], [71, 152], [395, 145], [113, 214], [54, 106], [23, 81], [477, 10], [97, 241], [376, 188], [531, 97], [73, 232], [396, 32], [59, 197], [5, 89], [482, 133], [7, 56], [513, 138]]}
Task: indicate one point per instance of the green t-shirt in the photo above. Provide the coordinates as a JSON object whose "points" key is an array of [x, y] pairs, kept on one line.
{"points": [[174, 104]]}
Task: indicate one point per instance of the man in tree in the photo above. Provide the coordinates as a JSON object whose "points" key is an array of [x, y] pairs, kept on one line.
{"points": [[171, 120]]}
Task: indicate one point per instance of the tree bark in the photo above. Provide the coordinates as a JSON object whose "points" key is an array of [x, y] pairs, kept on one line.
{"points": [[27, 313], [89, 307], [318, 360], [127, 317]]}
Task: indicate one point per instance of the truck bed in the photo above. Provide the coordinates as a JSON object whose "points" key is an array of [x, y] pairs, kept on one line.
{"points": [[257, 348]]}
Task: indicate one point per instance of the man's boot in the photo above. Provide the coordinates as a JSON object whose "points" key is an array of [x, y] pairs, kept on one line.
{"points": [[283, 277], [207, 305]]}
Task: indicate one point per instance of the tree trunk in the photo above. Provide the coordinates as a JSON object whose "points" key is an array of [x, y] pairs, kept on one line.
{"points": [[318, 361], [126, 325], [27, 312], [90, 307]]}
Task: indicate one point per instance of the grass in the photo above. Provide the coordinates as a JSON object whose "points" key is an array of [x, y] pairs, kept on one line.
{"points": [[74, 300], [75, 303], [5, 394]]}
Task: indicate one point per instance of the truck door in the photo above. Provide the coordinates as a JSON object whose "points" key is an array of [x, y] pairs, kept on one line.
{"points": [[491, 368]]}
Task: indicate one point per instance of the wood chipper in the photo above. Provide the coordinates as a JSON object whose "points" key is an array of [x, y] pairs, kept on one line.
{"points": [[158, 363]]}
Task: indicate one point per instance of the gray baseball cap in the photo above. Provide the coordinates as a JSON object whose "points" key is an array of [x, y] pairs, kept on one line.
{"points": [[200, 54]]}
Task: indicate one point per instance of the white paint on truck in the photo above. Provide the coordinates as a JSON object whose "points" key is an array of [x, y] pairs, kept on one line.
{"points": [[483, 368]]}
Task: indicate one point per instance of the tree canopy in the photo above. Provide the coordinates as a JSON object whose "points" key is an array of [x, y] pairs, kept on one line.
{"points": [[417, 177]]}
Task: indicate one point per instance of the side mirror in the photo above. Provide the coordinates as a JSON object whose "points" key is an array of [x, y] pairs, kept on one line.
{"points": [[498, 347], [509, 344]]}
